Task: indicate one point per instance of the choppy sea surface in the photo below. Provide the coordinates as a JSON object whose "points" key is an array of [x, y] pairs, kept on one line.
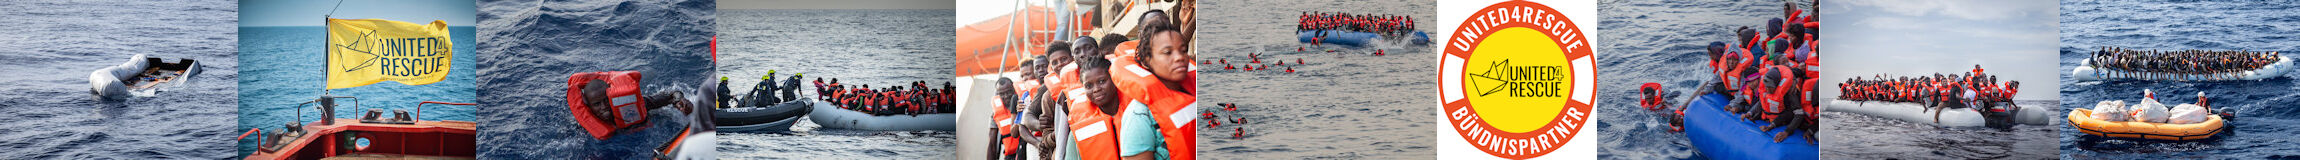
{"points": [[284, 70], [1663, 42], [875, 47], [2265, 118], [54, 45], [1858, 136], [532, 46], [1344, 104]]}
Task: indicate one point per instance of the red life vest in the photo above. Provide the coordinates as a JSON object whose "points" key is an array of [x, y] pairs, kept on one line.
{"points": [[627, 106]]}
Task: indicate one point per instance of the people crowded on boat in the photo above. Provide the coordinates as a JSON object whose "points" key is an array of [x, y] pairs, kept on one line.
{"points": [[1769, 74], [1116, 93], [1385, 24], [2152, 64], [1976, 90], [913, 99]]}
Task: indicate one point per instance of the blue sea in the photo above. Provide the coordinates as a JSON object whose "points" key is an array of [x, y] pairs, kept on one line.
{"points": [[54, 45], [1344, 104], [1663, 42], [285, 69], [2264, 109], [876, 47], [532, 46]]}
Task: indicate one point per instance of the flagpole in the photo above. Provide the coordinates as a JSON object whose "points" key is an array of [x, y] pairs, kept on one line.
{"points": [[328, 37]]}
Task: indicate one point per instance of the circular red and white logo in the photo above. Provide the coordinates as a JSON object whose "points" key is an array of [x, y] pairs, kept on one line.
{"points": [[1515, 80]]}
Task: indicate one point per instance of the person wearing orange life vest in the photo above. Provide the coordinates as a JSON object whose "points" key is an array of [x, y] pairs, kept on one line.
{"points": [[605, 102], [1154, 76], [1093, 110], [1976, 69], [1065, 77], [1006, 144]]}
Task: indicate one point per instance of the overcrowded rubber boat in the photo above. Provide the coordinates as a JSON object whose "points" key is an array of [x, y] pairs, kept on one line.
{"points": [[1356, 38], [1761, 102], [831, 116], [1719, 134], [1357, 30], [1951, 100], [2190, 65], [141, 76], [1915, 113]]}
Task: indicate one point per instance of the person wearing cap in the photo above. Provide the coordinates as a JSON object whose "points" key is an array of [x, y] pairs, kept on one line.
{"points": [[790, 87], [721, 95], [763, 91]]}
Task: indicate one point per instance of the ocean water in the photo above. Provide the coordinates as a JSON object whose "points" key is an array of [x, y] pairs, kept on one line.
{"points": [[2265, 116], [875, 47], [1345, 104], [1858, 136], [54, 45], [532, 46], [1663, 42], [284, 70]]}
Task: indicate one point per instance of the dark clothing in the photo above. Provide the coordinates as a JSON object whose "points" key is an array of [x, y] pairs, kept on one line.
{"points": [[723, 96], [761, 93], [790, 88]]}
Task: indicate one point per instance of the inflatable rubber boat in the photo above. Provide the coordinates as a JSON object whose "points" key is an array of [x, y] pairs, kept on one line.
{"points": [[141, 76], [2082, 119], [2087, 72], [749, 118], [1916, 113], [1355, 38], [1722, 135], [832, 117]]}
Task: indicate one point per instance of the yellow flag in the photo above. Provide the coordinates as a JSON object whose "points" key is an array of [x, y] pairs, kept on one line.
{"points": [[366, 51]]}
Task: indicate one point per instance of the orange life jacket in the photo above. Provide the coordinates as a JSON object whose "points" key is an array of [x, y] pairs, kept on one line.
{"points": [[1005, 124], [623, 94], [1094, 132], [1174, 111]]}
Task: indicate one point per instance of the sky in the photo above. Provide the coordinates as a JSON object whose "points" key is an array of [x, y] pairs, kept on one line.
{"points": [[2012, 39], [835, 4], [312, 12], [981, 10]]}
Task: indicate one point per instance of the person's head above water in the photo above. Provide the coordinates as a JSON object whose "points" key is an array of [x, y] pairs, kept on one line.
{"points": [[595, 97]]}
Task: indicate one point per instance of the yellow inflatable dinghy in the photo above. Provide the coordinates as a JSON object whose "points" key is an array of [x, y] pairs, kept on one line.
{"points": [[2082, 119]]}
